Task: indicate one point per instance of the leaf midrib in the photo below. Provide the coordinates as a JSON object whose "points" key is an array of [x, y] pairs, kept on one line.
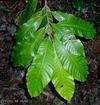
{"points": [[70, 58], [43, 61], [36, 40], [28, 29]]}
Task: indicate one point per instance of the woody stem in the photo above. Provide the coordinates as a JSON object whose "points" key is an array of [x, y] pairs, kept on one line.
{"points": [[45, 2]]}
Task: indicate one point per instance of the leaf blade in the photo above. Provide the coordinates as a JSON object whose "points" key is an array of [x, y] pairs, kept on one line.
{"points": [[29, 27], [24, 51], [75, 65], [62, 81], [60, 16], [79, 27], [28, 11], [40, 72], [76, 25]]}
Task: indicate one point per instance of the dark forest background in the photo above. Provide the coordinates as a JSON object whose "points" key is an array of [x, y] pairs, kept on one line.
{"points": [[12, 88]]}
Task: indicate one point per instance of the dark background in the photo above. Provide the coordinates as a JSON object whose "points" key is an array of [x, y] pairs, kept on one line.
{"points": [[12, 89]]}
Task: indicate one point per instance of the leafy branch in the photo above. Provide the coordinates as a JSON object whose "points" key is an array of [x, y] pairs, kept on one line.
{"points": [[51, 52]]}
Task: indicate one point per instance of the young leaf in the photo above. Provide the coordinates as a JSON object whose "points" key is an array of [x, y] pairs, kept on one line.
{"points": [[47, 16], [28, 11], [75, 65], [40, 72], [63, 82], [24, 51], [46, 11]]}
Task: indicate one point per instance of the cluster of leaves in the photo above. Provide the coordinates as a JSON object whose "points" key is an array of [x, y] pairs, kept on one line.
{"points": [[47, 46]]}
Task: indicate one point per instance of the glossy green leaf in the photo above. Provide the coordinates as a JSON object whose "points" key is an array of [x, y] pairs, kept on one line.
{"points": [[40, 72], [28, 11], [61, 31], [79, 27], [73, 45], [73, 63], [24, 51], [63, 82], [67, 37], [60, 16], [76, 25], [28, 28]]}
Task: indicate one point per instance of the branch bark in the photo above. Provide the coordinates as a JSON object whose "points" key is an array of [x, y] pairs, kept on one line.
{"points": [[45, 2]]}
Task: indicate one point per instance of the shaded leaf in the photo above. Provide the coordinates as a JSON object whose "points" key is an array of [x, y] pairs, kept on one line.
{"points": [[24, 51], [47, 16], [28, 28], [28, 11]]}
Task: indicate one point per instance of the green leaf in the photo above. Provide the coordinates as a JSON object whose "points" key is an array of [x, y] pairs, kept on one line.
{"points": [[40, 72], [73, 63], [60, 16], [46, 11], [79, 27], [24, 51], [73, 45], [78, 4], [28, 28], [28, 11], [69, 40], [75, 25], [63, 82], [61, 31], [47, 16]]}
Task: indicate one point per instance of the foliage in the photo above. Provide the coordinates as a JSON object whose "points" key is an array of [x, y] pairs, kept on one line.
{"points": [[28, 11], [78, 4], [47, 45]]}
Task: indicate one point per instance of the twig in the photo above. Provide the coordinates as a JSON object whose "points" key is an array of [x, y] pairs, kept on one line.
{"points": [[45, 2]]}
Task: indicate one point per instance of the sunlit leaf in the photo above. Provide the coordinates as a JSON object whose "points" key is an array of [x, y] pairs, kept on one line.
{"points": [[40, 72], [78, 26], [63, 82], [72, 60]]}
